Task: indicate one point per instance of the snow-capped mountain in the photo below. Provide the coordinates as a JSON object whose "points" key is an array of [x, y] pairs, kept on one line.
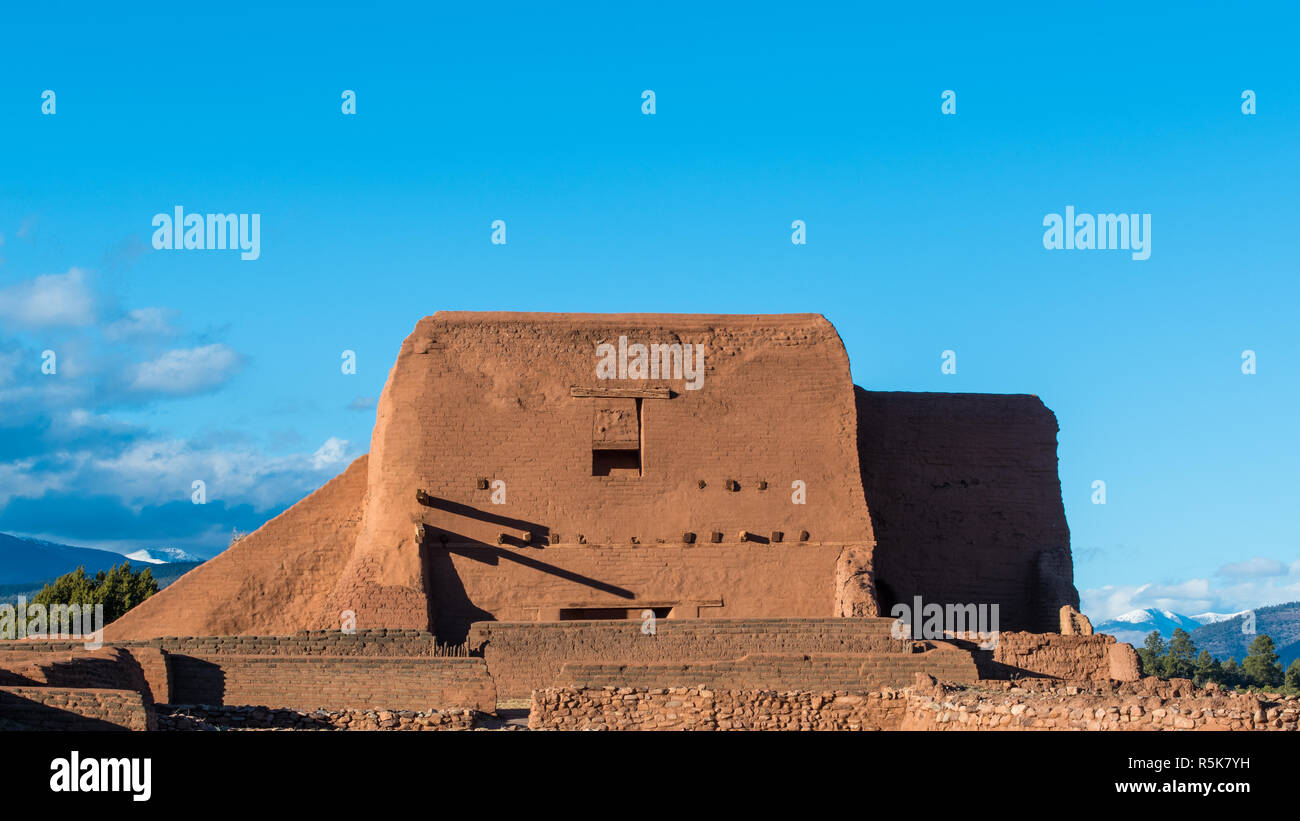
{"points": [[1214, 618], [29, 560], [162, 555], [1134, 626]]}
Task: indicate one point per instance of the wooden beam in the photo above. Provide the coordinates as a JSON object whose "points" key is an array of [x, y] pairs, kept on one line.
{"points": [[620, 393]]}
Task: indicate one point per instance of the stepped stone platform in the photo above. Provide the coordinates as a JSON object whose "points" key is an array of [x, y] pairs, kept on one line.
{"points": [[526, 656], [851, 672]]}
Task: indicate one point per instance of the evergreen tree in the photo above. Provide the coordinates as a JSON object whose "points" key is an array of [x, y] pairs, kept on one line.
{"points": [[1261, 666], [1207, 669], [1293, 677], [1231, 675], [118, 589], [1152, 654], [1181, 660]]}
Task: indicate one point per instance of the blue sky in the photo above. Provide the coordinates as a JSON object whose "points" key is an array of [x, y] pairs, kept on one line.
{"points": [[924, 233]]}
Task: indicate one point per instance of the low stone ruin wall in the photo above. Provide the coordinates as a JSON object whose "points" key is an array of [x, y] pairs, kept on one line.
{"points": [[391, 670], [695, 708], [79, 709], [769, 671], [379, 642], [1097, 658], [1146, 705], [196, 718], [332, 682], [1150, 704], [525, 656], [71, 665]]}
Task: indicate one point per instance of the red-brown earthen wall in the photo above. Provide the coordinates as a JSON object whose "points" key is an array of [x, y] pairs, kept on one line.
{"points": [[488, 396], [966, 504], [271, 582]]}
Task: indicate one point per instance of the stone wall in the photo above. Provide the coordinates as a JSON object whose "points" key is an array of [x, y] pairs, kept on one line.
{"points": [[379, 642], [70, 664], [397, 670], [1095, 658], [196, 718], [77, 709], [693, 708], [1149, 705], [1135, 706], [527, 656], [759, 671], [332, 682]]}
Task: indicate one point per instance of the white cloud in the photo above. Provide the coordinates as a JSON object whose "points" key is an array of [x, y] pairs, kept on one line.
{"points": [[141, 322], [1194, 596], [1253, 569], [24, 477], [152, 470], [187, 370], [331, 453], [50, 299]]}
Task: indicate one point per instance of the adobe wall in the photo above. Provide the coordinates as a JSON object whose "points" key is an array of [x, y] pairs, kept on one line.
{"points": [[713, 581], [73, 709], [960, 490], [271, 582], [1096, 658], [851, 672], [965, 503], [394, 670], [528, 656], [380, 642], [332, 682], [488, 396], [69, 664]]}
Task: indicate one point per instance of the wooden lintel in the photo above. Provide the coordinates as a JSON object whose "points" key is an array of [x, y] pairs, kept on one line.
{"points": [[620, 393]]}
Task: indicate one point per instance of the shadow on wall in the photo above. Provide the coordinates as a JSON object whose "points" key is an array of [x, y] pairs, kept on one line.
{"points": [[20, 713], [965, 502], [195, 681], [451, 611]]}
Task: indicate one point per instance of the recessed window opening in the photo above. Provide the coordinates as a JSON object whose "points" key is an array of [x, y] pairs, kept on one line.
{"points": [[616, 438]]}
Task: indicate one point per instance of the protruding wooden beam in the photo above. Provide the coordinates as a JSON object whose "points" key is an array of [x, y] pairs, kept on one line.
{"points": [[620, 393]]}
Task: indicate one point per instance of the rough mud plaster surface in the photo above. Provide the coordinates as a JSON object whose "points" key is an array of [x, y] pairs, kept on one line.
{"points": [[966, 503]]}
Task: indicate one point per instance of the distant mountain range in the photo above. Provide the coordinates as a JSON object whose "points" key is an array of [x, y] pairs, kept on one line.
{"points": [[1135, 625], [162, 555], [27, 560], [1225, 639], [32, 562], [1219, 633]]}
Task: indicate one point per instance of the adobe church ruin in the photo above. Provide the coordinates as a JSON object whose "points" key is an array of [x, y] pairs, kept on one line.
{"points": [[510, 480]]}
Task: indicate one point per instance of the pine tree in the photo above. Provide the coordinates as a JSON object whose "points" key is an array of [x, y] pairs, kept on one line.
{"points": [[1261, 666], [1152, 654], [1206, 670], [1181, 660], [118, 589], [1293, 677], [1231, 673]]}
